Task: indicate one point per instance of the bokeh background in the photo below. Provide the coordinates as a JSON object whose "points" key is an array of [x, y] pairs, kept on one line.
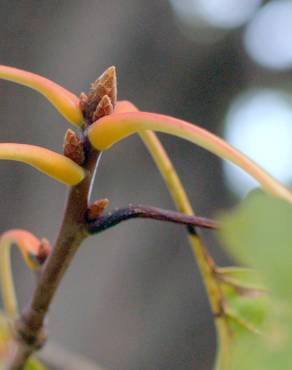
{"points": [[133, 298]]}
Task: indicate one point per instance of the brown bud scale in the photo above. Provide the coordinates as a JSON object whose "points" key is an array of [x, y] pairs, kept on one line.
{"points": [[96, 209], [105, 85], [104, 108], [73, 147]]}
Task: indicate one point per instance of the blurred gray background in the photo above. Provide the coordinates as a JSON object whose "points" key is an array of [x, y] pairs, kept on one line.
{"points": [[133, 298]]}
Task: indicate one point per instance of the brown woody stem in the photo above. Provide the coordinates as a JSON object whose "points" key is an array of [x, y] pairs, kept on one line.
{"points": [[30, 333]]}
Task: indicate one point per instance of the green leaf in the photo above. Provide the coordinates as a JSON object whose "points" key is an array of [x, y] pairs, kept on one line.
{"points": [[241, 277], [245, 298], [247, 312], [269, 352], [259, 234], [34, 364]]}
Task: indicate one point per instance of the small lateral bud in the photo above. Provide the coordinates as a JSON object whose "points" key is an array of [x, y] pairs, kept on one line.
{"points": [[96, 209], [44, 251], [104, 108], [73, 147]]}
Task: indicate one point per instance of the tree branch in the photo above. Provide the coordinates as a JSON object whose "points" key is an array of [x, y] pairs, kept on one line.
{"points": [[111, 219], [29, 330], [30, 333]]}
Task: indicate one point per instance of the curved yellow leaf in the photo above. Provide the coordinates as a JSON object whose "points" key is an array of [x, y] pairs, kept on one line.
{"points": [[125, 106], [110, 129], [63, 100], [51, 163], [30, 248]]}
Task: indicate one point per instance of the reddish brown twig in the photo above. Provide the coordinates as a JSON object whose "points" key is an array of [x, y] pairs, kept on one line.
{"points": [[104, 222]]}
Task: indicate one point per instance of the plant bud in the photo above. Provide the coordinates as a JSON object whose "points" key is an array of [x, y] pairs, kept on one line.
{"points": [[73, 147], [104, 108], [105, 85], [96, 209], [44, 251]]}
